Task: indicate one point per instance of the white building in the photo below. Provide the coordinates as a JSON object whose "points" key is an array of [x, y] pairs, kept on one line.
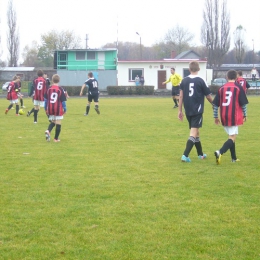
{"points": [[156, 72]]}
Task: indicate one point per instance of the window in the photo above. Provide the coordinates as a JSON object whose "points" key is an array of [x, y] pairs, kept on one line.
{"points": [[134, 72], [80, 55], [63, 57], [91, 55], [186, 72]]}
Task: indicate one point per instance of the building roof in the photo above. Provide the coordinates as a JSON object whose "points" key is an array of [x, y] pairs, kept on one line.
{"points": [[188, 55], [17, 68]]}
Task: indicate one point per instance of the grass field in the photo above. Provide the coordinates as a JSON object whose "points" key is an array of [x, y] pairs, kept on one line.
{"points": [[115, 188]]}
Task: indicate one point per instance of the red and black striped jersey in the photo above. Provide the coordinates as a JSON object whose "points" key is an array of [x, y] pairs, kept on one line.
{"points": [[12, 91], [40, 88], [243, 83], [230, 98], [194, 91], [54, 98]]}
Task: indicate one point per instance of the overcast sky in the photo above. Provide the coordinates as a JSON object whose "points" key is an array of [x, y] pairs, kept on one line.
{"points": [[111, 20]]}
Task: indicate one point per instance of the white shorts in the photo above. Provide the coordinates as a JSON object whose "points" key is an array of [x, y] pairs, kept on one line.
{"points": [[38, 103], [55, 118], [231, 130], [14, 101]]}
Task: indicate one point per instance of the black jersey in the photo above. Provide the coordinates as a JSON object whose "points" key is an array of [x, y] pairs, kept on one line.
{"points": [[92, 86], [194, 91]]}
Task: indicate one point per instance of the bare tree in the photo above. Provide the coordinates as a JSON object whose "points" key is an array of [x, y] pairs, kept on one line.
{"points": [[13, 40], [239, 41], [179, 38], [215, 32]]}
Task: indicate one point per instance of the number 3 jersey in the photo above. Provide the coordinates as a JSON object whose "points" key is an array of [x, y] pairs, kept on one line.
{"points": [[54, 97], [230, 98]]}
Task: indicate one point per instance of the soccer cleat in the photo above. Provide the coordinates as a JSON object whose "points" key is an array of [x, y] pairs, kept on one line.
{"points": [[175, 106], [28, 114], [204, 156], [56, 140], [17, 114], [35, 122], [185, 159], [218, 157], [235, 160], [97, 110], [86, 114], [6, 111], [23, 106], [47, 135]]}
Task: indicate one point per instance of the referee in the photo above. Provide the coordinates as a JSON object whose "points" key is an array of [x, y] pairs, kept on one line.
{"points": [[175, 79]]}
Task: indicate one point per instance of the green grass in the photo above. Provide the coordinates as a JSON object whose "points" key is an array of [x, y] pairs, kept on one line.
{"points": [[115, 188]]}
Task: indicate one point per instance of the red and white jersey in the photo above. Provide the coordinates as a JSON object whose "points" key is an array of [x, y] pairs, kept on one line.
{"points": [[40, 88], [12, 91], [230, 98], [54, 98]]}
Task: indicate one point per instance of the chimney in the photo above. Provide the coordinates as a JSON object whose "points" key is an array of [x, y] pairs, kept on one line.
{"points": [[173, 54], [86, 41]]}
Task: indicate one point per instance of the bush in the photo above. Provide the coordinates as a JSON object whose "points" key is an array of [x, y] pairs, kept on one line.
{"points": [[75, 91], [130, 90]]}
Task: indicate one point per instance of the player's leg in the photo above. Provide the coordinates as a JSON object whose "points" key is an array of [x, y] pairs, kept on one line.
{"points": [[57, 130], [9, 107], [96, 103], [17, 108], [50, 127], [35, 113], [232, 131], [190, 142]]}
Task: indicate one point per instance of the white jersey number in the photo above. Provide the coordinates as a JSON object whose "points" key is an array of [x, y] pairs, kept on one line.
{"points": [[228, 98], [191, 89], [54, 97], [40, 85]]}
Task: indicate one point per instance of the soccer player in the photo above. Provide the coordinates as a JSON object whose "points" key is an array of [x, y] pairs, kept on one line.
{"points": [[193, 90], [93, 92], [55, 107], [48, 83], [12, 94], [20, 95], [240, 80], [38, 91], [232, 101], [175, 79]]}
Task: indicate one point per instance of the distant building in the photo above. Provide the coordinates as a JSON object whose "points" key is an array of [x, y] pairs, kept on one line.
{"points": [[73, 66]]}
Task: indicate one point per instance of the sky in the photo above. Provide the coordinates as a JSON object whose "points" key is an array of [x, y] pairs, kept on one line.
{"points": [[106, 21]]}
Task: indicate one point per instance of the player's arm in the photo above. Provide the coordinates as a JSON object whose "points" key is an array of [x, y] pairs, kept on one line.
{"points": [[180, 114], [82, 88], [209, 98]]}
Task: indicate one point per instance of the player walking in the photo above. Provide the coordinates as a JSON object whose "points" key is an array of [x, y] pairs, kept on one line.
{"points": [[232, 101], [55, 107], [193, 90]]}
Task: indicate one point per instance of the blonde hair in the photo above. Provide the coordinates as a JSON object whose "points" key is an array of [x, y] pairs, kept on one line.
{"points": [[56, 78], [194, 66]]}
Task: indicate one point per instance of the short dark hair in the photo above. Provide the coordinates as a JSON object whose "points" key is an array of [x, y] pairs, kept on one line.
{"points": [[90, 74], [239, 72], [173, 69], [40, 73], [232, 75]]}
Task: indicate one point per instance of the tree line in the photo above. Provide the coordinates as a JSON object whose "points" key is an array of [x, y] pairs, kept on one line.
{"points": [[215, 39]]}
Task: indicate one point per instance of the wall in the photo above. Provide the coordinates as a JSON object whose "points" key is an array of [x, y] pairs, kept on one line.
{"points": [[77, 78]]}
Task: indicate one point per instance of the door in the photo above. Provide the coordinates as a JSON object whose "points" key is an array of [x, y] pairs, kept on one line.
{"points": [[161, 76]]}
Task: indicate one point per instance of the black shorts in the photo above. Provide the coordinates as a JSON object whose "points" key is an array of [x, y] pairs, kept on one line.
{"points": [[195, 121], [175, 90], [92, 97]]}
